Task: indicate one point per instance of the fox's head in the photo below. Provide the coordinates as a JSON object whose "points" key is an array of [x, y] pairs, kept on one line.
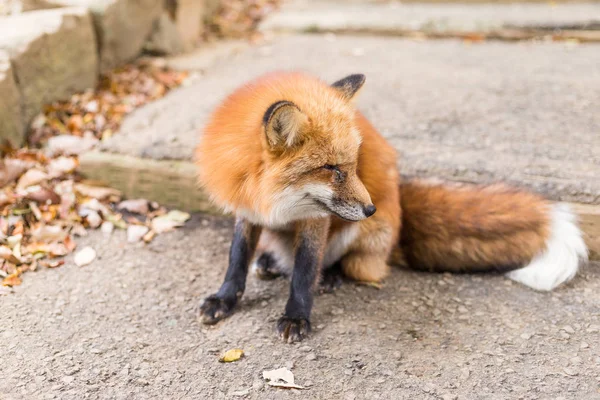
{"points": [[310, 153]]}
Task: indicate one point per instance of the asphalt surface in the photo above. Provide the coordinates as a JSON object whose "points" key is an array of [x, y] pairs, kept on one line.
{"points": [[125, 327]]}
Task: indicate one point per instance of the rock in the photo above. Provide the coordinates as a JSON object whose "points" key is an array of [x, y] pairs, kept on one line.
{"points": [[11, 127], [122, 26], [84, 256], [526, 336], [311, 357], [53, 55], [188, 16], [569, 329], [178, 28], [165, 38]]}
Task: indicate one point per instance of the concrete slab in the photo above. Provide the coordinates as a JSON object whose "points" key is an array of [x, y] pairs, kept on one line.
{"points": [[440, 19]]}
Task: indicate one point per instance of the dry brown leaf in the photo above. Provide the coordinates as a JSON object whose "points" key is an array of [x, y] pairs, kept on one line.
{"points": [[51, 263], [232, 355], [69, 243], [7, 254], [11, 169], [61, 166], [42, 195], [149, 236], [12, 279], [47, 233], [169, 221], [96, 192], [281, 377], [135, 233], [138, 206], [30, 178]]}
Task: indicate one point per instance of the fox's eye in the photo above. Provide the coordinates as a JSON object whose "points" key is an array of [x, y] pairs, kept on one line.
{"points": [[339, 175]]}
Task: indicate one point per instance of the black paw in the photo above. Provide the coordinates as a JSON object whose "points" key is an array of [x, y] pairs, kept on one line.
{"points": [[293, 330], [266, 267], [213, 309], [331, 279]]}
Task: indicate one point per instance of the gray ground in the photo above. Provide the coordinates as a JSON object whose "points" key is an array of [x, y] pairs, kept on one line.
{"points": [[125, 328]]}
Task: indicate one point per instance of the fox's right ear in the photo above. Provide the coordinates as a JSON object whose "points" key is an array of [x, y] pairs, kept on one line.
{"points": [[284, 124], [349, 85]]}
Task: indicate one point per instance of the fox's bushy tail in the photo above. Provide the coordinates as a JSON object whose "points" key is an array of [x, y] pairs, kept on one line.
{"points": [[469, 228]]}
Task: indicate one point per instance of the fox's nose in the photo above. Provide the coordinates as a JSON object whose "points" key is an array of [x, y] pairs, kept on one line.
{"points": [[369, 210]]}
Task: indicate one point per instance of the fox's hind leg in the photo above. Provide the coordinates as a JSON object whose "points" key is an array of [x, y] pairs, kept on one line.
{"points": [[275, 258], [275, 254], [367, 258]]}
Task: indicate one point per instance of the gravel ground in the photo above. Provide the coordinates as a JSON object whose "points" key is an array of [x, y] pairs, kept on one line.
{"points": [[125, 328]]}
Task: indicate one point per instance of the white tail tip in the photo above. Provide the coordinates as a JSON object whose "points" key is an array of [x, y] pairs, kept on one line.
{"points": [[560, 261]]}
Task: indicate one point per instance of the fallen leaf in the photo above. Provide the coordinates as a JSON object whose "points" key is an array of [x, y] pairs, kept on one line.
{"points": [[12, 279], [232, 355], [97, 192], [136, 232], [61, 166], [69, 244], [93, 219], [375, 285], [107, 227], [47, 233], [53, 249], [11, 169], [149, 236], [281, 377], [30, 178], [69, 145], [116, 220], [14, 240], [35, 210], [42, 195], [52, 263], [169, 221], [7, 254], [138, 206], [79, 230], [84, 256]]}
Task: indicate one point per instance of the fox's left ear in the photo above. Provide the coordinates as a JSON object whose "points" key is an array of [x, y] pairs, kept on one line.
{"points": [[349, 85], [284, 125]]}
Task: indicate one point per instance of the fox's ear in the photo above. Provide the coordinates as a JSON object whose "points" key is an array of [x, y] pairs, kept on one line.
{"points": [[284, 124], [349, 85]]}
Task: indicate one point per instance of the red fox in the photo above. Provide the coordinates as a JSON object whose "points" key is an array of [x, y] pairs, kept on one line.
{"points": [[316, 189]]}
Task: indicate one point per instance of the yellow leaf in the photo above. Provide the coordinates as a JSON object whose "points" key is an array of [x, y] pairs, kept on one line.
{"points": [[12, 280], [232, 355]]}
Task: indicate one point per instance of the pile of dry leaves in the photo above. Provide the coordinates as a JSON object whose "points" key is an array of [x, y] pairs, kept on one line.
{"points": [[238, 18], [44, 203]]}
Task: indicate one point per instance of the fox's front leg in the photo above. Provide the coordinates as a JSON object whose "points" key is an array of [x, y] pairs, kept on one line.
{"points": [[311, 240], [221, 304]]}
